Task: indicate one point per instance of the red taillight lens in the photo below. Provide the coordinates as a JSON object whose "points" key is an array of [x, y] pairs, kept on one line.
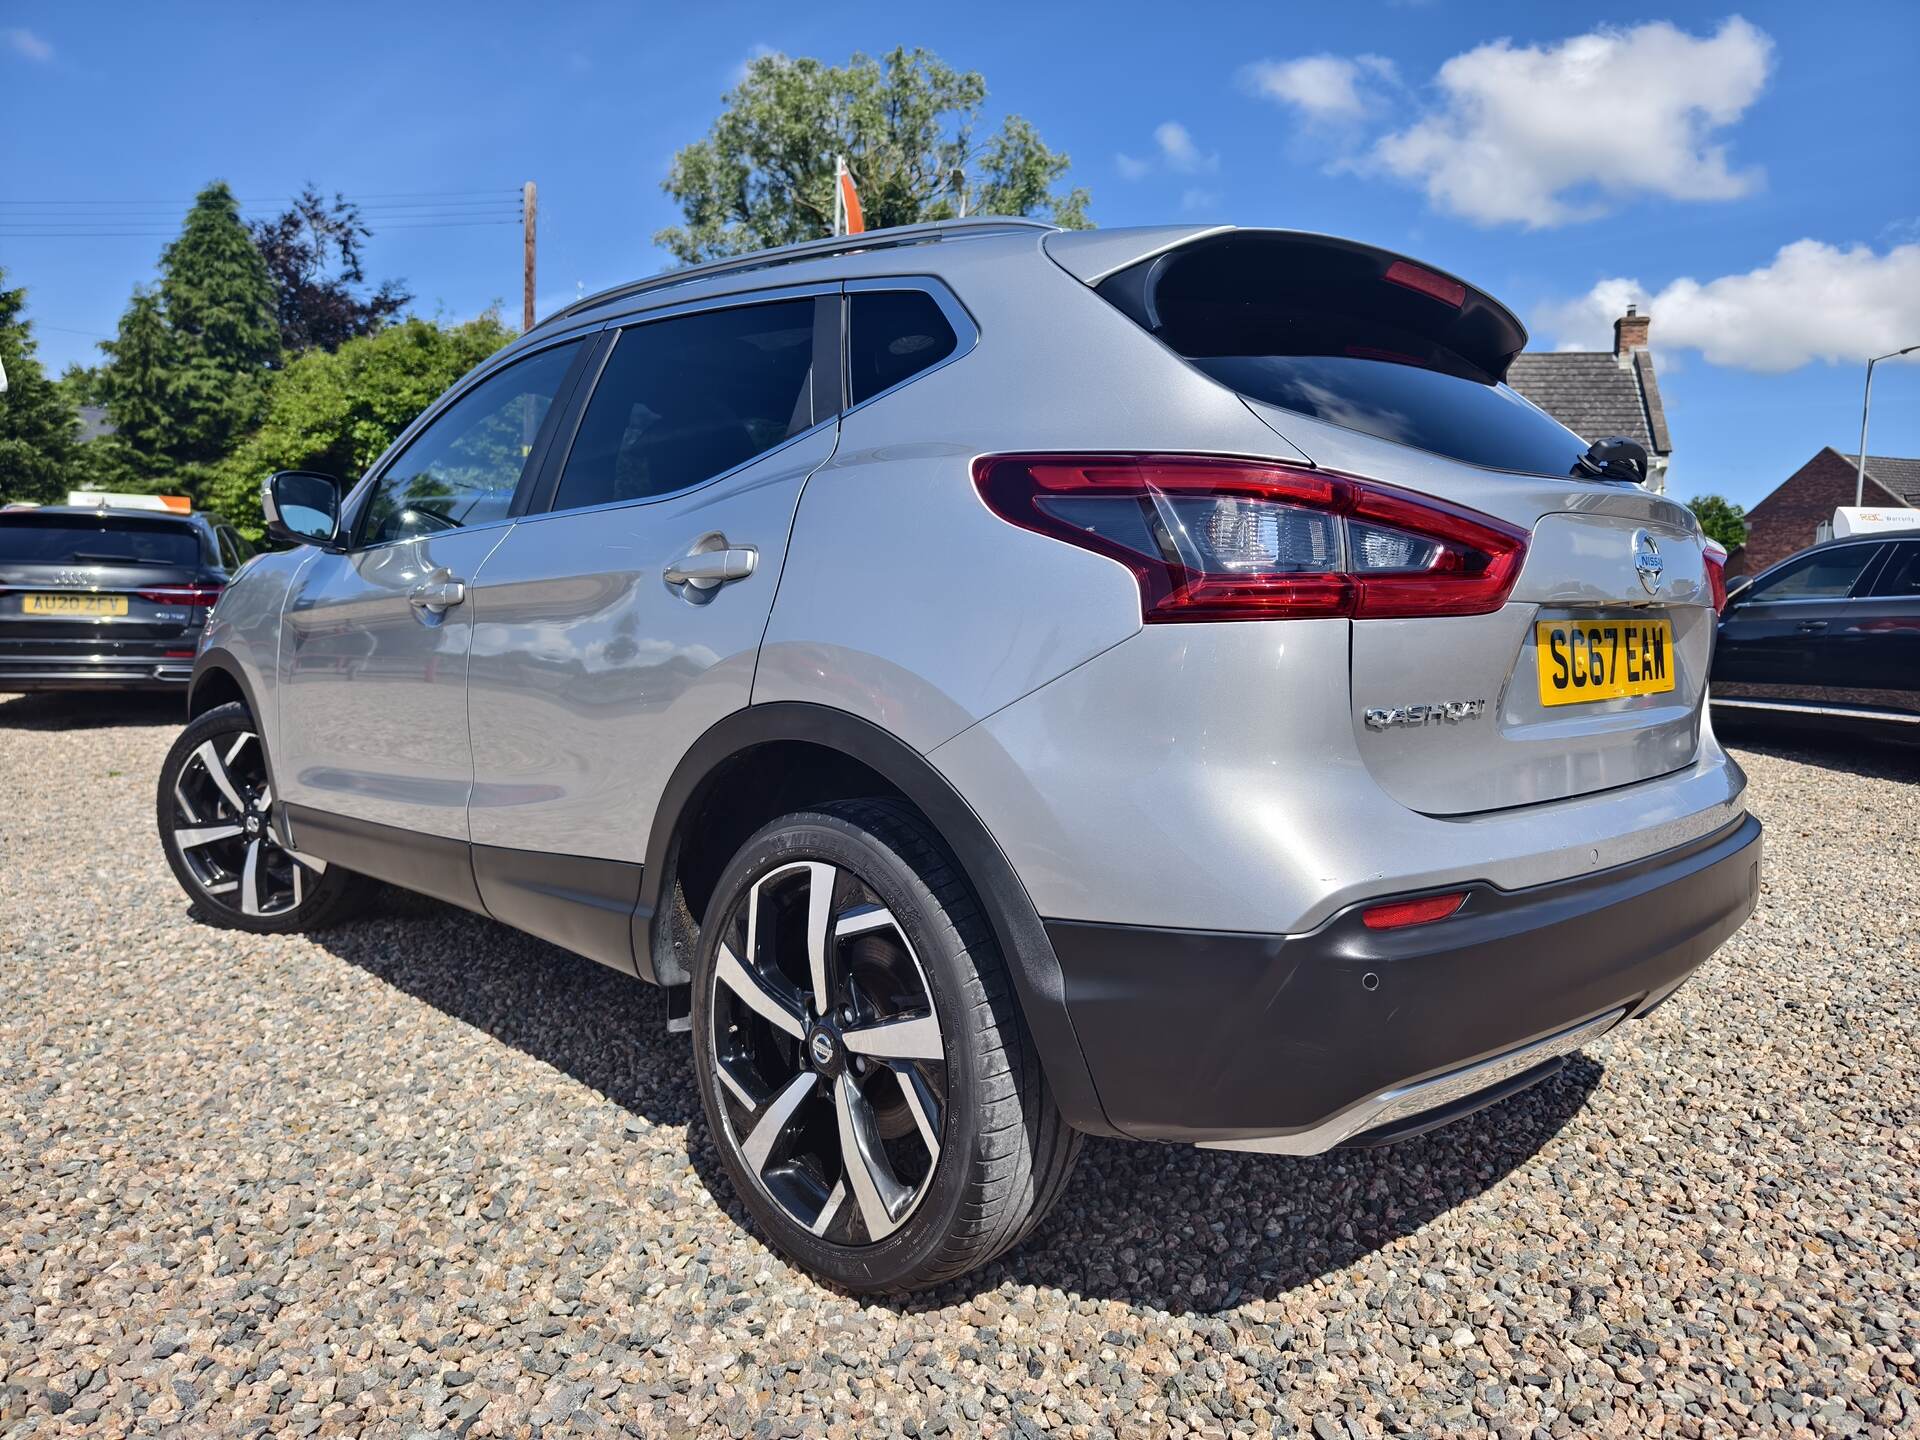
{"points": [[182, 594], [1716, 557], [1396, 914], [1214, 539]]}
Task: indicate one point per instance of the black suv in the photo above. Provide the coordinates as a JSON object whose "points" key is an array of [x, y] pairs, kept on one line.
{"points": [[1828, 638], [107, 597]]}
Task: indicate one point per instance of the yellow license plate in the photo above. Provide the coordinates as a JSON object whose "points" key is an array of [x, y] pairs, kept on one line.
{"points": [[1581, 660], [73, 605]]}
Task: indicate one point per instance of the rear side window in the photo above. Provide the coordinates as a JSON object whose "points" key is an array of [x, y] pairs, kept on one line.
{"points": [[893, 335], [1901, 576], [1353, 337], [29, 539], [683, 400], [1823, 575]]}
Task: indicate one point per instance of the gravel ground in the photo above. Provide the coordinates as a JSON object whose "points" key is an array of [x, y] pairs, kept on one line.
{"points": [[422, 1174]]}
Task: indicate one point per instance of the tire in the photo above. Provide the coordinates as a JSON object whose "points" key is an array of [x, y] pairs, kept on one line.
{"points": [[891, 1171], [212, 807]]}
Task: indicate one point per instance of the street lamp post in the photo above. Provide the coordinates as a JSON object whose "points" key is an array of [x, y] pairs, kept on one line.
{"points": [[1860, 461]]}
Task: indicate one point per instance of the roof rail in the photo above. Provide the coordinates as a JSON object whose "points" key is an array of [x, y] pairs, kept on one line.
{"points": [[805, 250]]}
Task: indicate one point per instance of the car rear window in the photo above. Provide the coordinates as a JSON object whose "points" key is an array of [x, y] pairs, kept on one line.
{"points": [[29, 539], [1354, 337]]}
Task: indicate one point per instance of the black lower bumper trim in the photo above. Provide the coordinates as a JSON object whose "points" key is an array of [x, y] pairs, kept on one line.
{"points": [[1214, 1036]]}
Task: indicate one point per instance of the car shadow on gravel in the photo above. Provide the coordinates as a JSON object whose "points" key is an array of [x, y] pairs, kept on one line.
{"points": [[91, 709], [1164, 1226], [605, 1029]]}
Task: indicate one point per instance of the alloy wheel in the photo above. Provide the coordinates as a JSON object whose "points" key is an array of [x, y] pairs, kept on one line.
{"points": [[828, 1052], [223, 829]]}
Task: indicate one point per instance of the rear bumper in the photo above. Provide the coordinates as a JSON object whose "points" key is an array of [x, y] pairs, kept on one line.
{"points": [[1298, 1043], [94, 672]]}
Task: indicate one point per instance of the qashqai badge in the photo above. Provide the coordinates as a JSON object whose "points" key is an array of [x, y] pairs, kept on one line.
{"points": [[1437, 712], [1647, 563]]}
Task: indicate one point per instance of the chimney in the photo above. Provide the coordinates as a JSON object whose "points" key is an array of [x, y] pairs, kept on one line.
{"points": [[1630, 332]]}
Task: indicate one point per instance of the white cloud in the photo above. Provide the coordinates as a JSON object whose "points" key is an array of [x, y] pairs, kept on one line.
{"points": [[1813, 301], [1179, 151], [1178, 154], [24, 42], [759, 51], [1198, 199], [1320, 87], [1542, 135]]}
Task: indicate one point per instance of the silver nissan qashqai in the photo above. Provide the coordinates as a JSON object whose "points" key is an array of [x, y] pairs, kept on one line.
{"points": [[1007, 685]]}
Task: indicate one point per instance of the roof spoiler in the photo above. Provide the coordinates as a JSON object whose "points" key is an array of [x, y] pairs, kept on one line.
{"points": [[1297, 267]]}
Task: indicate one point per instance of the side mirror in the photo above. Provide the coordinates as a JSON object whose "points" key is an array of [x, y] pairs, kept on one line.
{"points": [[302, 506], [1615, 457]]}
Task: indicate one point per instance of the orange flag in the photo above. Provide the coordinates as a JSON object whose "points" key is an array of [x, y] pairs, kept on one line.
{"points": [[846, 201]]}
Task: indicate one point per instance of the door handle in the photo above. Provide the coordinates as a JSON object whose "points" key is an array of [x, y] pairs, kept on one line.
{"points": [[1812, 627], [436, 597], [710, 569]]}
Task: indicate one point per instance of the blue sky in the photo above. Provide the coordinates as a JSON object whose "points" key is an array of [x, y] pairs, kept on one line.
{"points": [[1749, 175]]}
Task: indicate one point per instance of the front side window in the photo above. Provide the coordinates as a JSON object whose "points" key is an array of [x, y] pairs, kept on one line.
{"points": [[1823, 575], [893, 335], [464, 467], [685, 399]]}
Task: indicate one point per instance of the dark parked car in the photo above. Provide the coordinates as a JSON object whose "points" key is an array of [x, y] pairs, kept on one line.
{"points": [[108, 597], [1829, 638]]}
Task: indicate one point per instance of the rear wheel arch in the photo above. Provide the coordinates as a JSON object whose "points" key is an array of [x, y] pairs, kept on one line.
{"points": [[771, 759]]}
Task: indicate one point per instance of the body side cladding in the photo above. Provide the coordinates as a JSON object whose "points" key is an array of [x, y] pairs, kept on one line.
{"points": [[577, 902], [430, 864], [1023, 941]]}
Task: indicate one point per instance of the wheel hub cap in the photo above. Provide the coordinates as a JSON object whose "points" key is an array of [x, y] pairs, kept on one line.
{"points": [[221, 801], [830, 1063]]}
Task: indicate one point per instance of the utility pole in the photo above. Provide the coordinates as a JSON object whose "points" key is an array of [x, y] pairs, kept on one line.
{"points": [[1860, 465], [529, 205]]}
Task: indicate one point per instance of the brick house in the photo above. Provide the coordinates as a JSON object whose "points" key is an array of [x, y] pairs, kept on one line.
{"points": [[1790, 519], [1595, 393]]}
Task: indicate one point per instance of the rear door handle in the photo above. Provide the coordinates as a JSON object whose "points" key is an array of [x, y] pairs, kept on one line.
{"points": [[710, 569], [436, 597], [1812, 627]]}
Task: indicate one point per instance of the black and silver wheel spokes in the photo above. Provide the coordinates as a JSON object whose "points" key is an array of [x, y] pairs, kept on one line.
{"points": [[223, 830], [829, 1055]]}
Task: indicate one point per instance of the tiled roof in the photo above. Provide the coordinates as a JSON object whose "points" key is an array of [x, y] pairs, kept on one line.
{"points": [[1593, 394], [1901, 476]]}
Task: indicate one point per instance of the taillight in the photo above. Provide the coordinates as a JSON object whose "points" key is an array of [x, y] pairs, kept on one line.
{"points": [[182, 594], [1217, 539], [1715, 554]]}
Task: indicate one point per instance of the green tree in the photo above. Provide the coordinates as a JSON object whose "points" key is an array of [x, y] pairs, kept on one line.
{"points": [[336, 411], [136, 386], [221, 311], [39, 428], [906, 124], [1721, 519]]}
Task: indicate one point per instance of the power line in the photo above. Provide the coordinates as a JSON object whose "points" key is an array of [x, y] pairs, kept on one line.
{"points": [[395, 195], [11, 234]]}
